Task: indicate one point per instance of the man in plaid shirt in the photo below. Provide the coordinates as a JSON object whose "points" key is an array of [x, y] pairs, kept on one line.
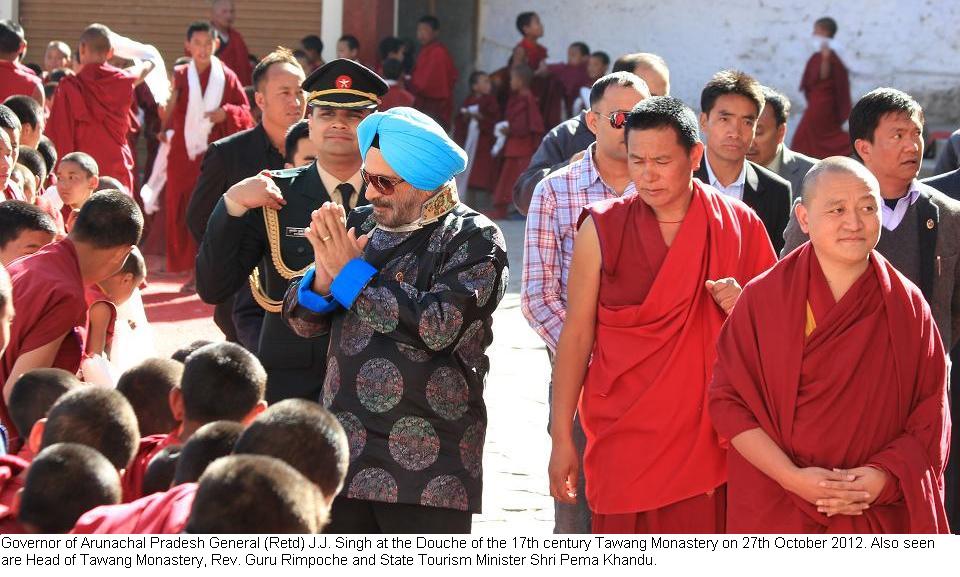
{"points": [[558, 201]]}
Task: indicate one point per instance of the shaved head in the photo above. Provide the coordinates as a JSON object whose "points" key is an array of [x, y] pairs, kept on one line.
{"points": [[96, 40], [821, 173]]}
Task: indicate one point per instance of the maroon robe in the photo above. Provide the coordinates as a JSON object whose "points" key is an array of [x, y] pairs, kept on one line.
{"points": [[525, 132], [12, 475], [866, 387], [132, 480], [432, 80], [182, 172], [235, 54], [653, 461], [16, 79], [483, 173], [91, 113], [164, 513], [48, 296], [573, 78], [820, 133], [396, 96]]}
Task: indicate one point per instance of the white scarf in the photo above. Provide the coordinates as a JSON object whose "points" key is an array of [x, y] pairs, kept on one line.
{"points": [[470, 145], [196, 129]]}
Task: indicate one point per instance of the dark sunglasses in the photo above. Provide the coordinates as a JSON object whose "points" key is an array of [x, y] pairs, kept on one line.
{"points": [[617, 119], [384, 184]]}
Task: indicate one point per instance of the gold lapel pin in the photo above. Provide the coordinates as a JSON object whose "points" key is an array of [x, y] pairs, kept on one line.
{"points": [[930, 223]]}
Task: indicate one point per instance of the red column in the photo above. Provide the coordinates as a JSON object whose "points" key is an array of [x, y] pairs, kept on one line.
{"points": [[370, 21]]}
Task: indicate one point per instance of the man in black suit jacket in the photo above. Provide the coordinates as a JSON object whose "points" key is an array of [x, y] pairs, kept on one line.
{"points": [[948, 183], [276, 79], [259, 224], [730, 105]]}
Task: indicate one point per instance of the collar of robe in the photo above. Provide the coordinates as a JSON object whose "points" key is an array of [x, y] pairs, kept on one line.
{"points": [[432, 210]]}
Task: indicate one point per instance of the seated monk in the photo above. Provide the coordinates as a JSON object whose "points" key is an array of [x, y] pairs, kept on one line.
{"points": [[831, 382], [220, 382], [147, 386]]}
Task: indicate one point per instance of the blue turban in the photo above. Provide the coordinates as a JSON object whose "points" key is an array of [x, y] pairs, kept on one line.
{"points": [[414, 146]]}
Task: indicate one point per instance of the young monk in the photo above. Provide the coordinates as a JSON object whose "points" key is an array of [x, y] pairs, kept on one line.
{"points": [[167, 512], [481, 106], [104, 298], [77, 179], [831, 380], [252, 493], [434, 75], [91, 112], [24, 229], [208, 103], [56, 56], [65, 481], [97, 417], [30, 114], [222, 381], [147, 386], [49, 287], [16, 78], [523, 136], [9, 137], [654, 275], [32, 397], [397, 95]]}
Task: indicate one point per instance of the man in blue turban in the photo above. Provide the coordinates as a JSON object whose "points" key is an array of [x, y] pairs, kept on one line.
{"points": [[406, 288]]}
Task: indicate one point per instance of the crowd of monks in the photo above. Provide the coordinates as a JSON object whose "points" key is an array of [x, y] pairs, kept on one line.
{"points": [[700, 384]]}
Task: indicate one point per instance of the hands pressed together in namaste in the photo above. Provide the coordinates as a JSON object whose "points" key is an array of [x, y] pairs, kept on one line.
{"points": [[333, 245]]}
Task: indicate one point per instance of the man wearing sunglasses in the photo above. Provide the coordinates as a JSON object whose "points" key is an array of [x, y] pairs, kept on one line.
{"points": [[262, 220], [406, 291], [552, 224]]}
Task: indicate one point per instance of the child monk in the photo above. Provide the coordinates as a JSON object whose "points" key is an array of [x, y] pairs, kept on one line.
{"points": [[524, 132], [77, 179], [482, 108]]}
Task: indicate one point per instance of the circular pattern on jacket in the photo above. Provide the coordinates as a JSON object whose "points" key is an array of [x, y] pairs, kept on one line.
{"points": [[447, 393], [373, 484], [481, 279], [415, 354], [414, 443], [471, 448], [379, 385], [470, 348], [378, 307], [355, 334], [439, 325], [331, 383], [493, 234], [356, 433], [445, 491]]}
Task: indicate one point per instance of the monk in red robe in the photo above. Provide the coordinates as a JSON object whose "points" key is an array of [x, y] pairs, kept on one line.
{"points": [[434, 74], [48, 289], [546, 86], [91, 111], [573, 73], [208, 103], [654, 276], [233, 50], [831, 381], [15, 78], [826, 86], [483, 169], [524, 131], [397, 95], [220, 382]]}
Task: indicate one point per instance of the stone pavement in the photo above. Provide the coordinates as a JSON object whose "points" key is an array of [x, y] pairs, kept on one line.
{"points": [[516, 496]]}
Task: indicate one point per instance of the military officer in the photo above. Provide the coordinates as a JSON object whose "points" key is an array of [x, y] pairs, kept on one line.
{"points": [[262, 219]]}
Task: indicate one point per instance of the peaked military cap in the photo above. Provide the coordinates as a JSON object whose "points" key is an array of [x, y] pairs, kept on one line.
{"points": [[343, 83]]}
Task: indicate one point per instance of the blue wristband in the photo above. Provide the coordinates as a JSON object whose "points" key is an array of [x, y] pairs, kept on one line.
{"points": [[353, 278], [311, 300]]}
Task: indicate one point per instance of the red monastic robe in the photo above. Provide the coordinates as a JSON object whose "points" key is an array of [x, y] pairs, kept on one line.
{"points": [[483, 173], [573, 78], [48, 295], [160, 513], [235, 54], [91, 113], [132, 480], [525, 132], [396, 96], [866, 386], [820, 133], [432, 80], [12, 475], [651, 447], [182, 173], [16, 79], [536, 53]]}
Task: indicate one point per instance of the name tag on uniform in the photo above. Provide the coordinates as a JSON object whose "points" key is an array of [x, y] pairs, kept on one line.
{"points": [[296, 232]]}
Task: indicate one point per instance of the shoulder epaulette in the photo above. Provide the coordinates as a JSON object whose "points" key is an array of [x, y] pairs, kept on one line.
{"points": [[286, 172]]}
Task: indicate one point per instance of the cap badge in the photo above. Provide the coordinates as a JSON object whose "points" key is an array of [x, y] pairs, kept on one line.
{"points": [[344, 82]]}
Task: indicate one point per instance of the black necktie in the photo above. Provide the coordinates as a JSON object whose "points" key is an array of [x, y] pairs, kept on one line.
{"points": [[347, 191]]}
